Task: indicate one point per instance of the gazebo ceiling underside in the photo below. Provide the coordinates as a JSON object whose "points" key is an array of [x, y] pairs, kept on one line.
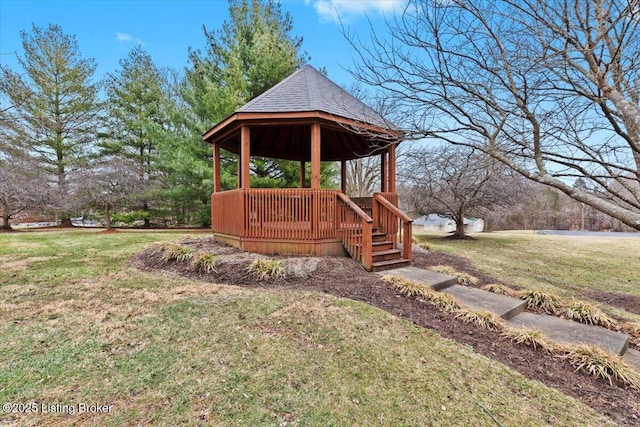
{"points": [[293, 142]]}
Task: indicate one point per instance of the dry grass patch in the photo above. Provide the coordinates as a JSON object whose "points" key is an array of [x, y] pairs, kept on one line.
{"points": [[586, 312], [205, 263], [463, 278], [499, 289], [265, 268], [601, 363], [531, 337], [408, 288], [483, 318], [540, 299], [631, 328]]}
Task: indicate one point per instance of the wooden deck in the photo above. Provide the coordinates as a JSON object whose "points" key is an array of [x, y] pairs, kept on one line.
{"points": [[309, 222]]}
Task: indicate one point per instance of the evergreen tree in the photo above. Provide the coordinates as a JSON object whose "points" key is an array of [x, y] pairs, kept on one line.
{"points": [[137, 116], [54, 105]]}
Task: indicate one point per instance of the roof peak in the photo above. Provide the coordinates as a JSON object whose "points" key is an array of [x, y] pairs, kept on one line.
{"points": [[307, 89]]}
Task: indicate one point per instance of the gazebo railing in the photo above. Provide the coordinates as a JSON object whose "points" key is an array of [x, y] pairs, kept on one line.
{"points": [[356, 228], [300, 214], [393, 222]]}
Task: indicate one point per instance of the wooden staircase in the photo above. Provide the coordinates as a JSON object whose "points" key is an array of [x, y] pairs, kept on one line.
{"points": [[381, 241], [383, 253]]}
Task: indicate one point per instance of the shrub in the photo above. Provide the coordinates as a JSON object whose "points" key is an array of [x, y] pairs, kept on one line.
{"points": [[265, 268], [539, 299], [177, 253], [499, 289], [531, 337], [483, 318], [205, 263], [463, 278], [588, 313], [601, 363]]}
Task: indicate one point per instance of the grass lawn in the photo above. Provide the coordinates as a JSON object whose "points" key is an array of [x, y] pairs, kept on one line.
{"points": [[564, 264], [78, 325]]}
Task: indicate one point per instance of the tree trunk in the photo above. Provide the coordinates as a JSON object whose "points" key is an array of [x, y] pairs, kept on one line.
{"points": [[5, 223], [147, 222], [459, 233], [107, 216]]}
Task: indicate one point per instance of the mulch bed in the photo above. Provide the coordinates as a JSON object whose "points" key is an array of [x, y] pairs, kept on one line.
{"points": [[343, 277]]}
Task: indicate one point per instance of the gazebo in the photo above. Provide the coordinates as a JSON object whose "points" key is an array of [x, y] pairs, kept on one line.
{"points": [[308, 118]]}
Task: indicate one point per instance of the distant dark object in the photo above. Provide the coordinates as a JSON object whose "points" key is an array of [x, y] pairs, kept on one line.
{"points": [[588, 233]]}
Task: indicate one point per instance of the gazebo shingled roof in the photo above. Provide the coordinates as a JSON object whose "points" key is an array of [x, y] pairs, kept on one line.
{"points": [[280, 117]]}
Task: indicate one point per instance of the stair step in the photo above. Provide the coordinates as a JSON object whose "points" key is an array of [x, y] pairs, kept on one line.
{"points": [[502, 305], [568, 331], [389, 264], [378, 237], [382, 245], [386, 254]]}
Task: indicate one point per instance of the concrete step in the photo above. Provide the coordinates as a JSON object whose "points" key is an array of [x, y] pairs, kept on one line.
{"points": [[429, 278], [502, 305], [387, 254], [390, 264], [570, 332], [632, 357]]}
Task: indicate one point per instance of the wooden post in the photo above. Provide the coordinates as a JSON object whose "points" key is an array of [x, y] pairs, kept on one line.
{"points": [[217, 186], [343, 176], [392, 169], [245, 156], [315, 156], [302, 174], [383, 172]]}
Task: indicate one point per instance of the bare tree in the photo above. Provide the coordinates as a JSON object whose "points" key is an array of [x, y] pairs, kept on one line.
{"points": [[454, 182], [110, 182], [550, 89], [22, 188]]}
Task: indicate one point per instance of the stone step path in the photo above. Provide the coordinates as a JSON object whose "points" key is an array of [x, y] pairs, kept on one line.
{"points": [[512, 310]]}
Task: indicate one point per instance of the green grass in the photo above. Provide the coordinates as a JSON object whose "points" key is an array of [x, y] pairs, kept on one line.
{"points": [[562, 264], [78, 324]]}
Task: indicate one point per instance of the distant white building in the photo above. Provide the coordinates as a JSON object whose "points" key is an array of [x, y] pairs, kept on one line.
{"points": [[436, 222]]}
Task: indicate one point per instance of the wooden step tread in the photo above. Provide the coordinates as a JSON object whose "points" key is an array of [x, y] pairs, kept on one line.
{"points": [[387, 252]]}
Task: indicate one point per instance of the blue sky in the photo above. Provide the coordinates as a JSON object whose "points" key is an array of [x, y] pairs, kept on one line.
{"points": [[107, 30]]}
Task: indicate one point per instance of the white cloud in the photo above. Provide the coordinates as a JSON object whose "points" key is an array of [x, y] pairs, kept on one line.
{"points": [[335, 10], [128, 39]]}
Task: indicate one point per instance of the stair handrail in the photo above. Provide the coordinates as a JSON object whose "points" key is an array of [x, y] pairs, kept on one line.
{"points": [[404, 219], [359, 245]]}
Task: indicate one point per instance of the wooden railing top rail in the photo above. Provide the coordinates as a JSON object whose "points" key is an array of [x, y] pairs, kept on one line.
{"points": [[362, 214], [387, 204]]}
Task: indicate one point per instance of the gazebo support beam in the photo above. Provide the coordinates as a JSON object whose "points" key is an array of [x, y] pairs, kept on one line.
{"points": [[245, 157], [392, 168], [384, 172], [315, 155], [343, 176], [217, 186]]}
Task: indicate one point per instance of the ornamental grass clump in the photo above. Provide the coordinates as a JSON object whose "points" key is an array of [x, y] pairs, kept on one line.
{"points": [[540, 299], [631, 328], [408, 287], [499, 289], [463, 278], [444, 302], [586, 312], [531, 337], [177, 253], [205, 263], [265, 268], [601, 363], [483, 318]]}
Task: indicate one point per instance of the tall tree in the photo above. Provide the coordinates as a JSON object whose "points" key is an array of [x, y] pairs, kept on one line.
{"points": [[137, 114], [54, 106], [548, 88], [252, 52], [454, 182]]}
